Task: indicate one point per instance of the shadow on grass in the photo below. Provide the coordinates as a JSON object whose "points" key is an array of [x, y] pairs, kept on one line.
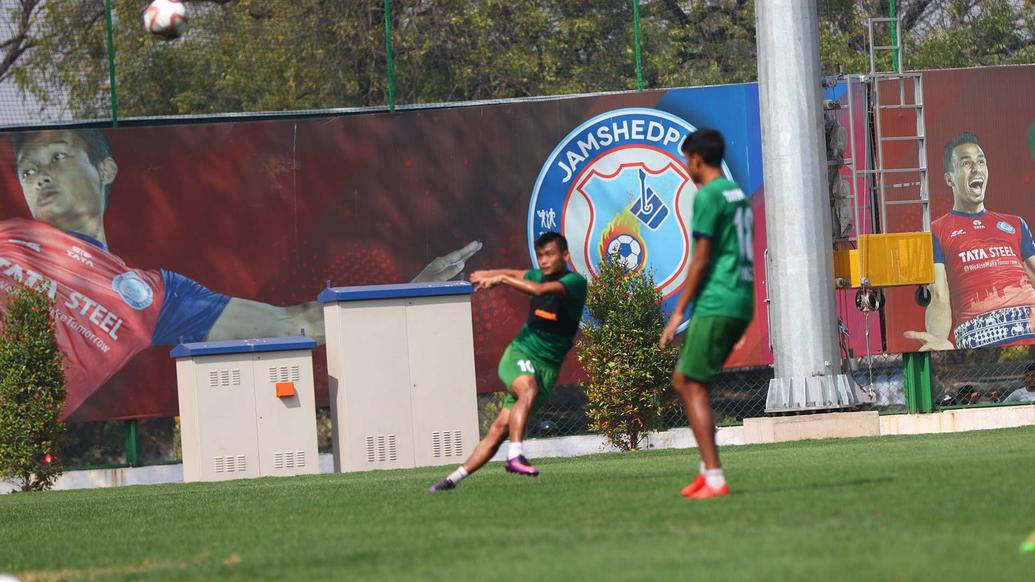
{"points": [[815, 486]]}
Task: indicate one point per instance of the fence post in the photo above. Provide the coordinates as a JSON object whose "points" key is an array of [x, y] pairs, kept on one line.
{"points": [[388, 51], [917, 371], [131, 443], [892, 12], [636, 42], [111, 66]]}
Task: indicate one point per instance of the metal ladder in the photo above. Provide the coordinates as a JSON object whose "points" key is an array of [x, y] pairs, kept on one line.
{"points": [[884, 176]]}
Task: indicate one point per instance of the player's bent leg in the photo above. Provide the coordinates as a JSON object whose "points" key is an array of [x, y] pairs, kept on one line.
{"points": [[482, 454], [525, 391], [486, 449]]}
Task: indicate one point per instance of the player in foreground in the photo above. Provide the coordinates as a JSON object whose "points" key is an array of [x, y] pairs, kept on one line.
{"points": [[720, 283], [531, 363]]}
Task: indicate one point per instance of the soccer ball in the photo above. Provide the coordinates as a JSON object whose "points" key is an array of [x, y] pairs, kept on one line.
{"points": [[629, 250], [166, 18]]}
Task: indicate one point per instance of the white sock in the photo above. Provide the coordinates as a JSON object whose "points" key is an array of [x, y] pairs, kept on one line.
{"points": [[714, 478], [514, 450], [458, 475], [703, 469]]}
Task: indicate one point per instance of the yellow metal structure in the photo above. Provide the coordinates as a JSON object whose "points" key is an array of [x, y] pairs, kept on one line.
{"points": [[886, 260]]}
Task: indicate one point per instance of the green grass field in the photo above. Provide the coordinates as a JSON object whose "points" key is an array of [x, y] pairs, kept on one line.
{"points": [[948, 507]]}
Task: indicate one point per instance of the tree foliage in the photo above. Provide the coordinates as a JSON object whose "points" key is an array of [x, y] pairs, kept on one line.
{"points": [[628, 387], [270, 55], [32, 391]]}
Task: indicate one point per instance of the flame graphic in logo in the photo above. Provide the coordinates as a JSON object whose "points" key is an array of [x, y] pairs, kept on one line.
{"points": [[623, 235]]}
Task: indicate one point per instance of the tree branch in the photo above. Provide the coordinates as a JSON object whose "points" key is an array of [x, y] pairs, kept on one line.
{"points": [[677, 12], [914, 12], [19, 43]]}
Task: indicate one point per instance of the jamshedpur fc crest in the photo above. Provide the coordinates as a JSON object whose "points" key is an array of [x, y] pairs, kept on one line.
{"points": [[617, 183]]}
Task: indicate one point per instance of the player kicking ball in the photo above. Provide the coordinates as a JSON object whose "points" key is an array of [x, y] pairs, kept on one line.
{"points": [[530, 364], [720, 283]]}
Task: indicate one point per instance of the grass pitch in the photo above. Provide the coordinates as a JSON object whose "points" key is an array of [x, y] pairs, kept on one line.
{"points": [[946, 507]]}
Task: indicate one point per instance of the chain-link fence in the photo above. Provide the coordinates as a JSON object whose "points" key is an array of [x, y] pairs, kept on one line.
{"points": [[73, 60], [985, 377], [148, 441], [960, 379], [882, 376], [736, 394]]}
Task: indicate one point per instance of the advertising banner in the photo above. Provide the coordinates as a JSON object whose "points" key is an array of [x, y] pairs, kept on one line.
{"points": [[980, 172], [151, 236]]}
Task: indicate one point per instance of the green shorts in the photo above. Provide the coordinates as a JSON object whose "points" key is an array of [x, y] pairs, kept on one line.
{"points": [[516, 363], [709, 341]]}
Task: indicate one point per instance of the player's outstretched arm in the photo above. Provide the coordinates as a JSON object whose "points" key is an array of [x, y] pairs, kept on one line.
{"points": [[482, 279], [698, 267], [243, 319], [516, 279], [498, 272], [938, 317], [532, 288]]}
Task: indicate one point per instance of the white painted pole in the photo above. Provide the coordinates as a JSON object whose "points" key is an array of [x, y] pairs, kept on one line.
{"points": [[800, 274]]}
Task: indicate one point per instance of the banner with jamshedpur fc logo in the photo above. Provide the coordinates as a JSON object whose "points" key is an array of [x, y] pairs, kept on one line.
{"points": [[617, 184]]}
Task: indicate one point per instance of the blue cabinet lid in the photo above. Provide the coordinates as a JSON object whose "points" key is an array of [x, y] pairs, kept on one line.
{"points": [[269, 344], [401, 291]]}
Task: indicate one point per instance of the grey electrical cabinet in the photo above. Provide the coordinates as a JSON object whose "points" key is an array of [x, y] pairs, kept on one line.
{"points": [[402, 382], [247, 408]]}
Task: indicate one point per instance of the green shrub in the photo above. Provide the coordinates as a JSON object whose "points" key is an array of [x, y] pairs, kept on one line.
{"points": [[628, 389], [32, 391]]}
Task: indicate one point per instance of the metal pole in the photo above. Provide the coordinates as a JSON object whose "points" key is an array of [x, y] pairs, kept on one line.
{"points": [[855, 160], [391, 58], [111, 66], [804, 321], [132, 458], [896, 63], [917, 375], [636, 40]]}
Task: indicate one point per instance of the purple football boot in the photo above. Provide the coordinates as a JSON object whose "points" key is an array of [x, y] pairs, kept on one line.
{"points": [[444, 485], [521, 466]]}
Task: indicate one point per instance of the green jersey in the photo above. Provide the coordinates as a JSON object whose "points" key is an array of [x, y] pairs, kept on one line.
{"points": [[553, 320], [723, 214]]}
